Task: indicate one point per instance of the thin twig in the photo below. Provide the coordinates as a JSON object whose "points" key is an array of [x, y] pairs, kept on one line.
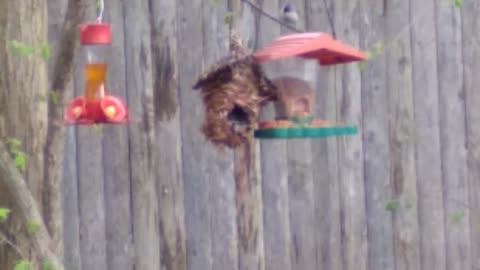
{"points": [[4, 239], [271, 17]]}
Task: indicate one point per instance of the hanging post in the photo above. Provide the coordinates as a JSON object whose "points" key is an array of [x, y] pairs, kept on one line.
{"points": [[247, 189]]}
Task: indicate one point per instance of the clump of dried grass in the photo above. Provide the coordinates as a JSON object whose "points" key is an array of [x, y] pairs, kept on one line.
{"points": [[233, 90]]}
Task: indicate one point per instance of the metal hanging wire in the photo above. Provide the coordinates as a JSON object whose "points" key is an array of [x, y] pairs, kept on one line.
{"points": [[100, 8]]}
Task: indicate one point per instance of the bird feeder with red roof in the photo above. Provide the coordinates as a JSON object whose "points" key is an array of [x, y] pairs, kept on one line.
{"points": [[96, 106], [295, 98]]}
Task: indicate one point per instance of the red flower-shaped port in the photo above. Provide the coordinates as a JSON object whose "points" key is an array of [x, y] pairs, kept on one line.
{"points": [[108, 110]]}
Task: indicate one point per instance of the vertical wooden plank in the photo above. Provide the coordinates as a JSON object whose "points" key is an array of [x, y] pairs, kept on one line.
{"points": [[141, 133], [194, 161], [471, 61], [115, 154], [350, 149], [71, 230], [71, 235], [167, 135], [375, 139], [90, 181], [220, 164], [91, 192], [402, 135], [273, 166], [428, 163], [324, 151], [452, 135], [299, 167]]}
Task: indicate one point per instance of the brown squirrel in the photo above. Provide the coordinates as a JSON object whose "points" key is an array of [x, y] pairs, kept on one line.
{"points": [[295, 97]]}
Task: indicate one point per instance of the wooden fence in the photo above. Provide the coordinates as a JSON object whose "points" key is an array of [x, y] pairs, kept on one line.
{"points": [[402, 194]]}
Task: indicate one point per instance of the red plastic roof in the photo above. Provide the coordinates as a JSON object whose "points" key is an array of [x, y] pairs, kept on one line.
{"points": [[315, 45]]}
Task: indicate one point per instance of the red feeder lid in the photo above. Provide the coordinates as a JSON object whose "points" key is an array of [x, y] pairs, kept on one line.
{"points": [[314, 45], [95, 34]]}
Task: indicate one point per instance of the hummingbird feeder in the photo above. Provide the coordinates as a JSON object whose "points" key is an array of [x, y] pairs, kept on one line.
{"points": [[96, 106], [294, 97]]}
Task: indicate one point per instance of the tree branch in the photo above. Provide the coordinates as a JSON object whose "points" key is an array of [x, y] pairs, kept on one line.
{"points": [[16, 186], [62, 73]]}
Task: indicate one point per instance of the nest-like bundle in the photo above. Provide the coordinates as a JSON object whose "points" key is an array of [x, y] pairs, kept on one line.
{"points": [[233, 91]]}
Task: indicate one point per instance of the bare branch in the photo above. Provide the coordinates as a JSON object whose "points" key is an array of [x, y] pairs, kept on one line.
{"points": [[62, 73], [16, 186]]}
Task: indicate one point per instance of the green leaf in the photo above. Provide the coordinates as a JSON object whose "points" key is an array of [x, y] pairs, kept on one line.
{"points": [[32, 228], [458, 3], [392, 205], [21, 161], [24, 265], [4, 212], [47, 264], [54, 97], [377, 48], [362, 65], [13, 145], [45, 52], [20, 48], [228, 19], [457, 217]]}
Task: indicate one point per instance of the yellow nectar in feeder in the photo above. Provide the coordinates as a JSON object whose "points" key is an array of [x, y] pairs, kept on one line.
{"points": [[96, 105], [294, 96]]}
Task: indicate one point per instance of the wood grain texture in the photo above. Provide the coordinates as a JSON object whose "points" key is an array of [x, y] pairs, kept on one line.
{"points": [[375, 136], [141, 134], [299, 167], [194, 159], [428, 158], [167, 136], [116, 166], [350, 149], [402, 135], [471, 65], [71, 230], [219, 174], [273, 164], [91, 188], [69, 186], [452, 135], [324, 151]]}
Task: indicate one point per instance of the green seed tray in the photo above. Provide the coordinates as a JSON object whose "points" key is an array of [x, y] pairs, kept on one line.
{"points": [[304, 132]]}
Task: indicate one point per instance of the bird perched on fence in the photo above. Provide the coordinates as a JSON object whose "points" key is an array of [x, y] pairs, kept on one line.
{"points": [[289, 14]]}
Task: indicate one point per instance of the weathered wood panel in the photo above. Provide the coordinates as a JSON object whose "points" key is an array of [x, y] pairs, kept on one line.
{"points": [[219, 169], [167, 135], [402, 136], [428, 161], [350, 149], [452, 135], [273, 164], [471, 65], [141, 134], [375, 138], [71, 230], [317, 196], [91, 193], [324, 151], [116, 160], [196, 181]]}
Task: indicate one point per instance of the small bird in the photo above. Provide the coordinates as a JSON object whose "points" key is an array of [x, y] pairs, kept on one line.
{"points": [[290, 15]]}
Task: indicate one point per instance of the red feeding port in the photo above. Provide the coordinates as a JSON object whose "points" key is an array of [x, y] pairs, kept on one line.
{"points": [[109, 110], [314, 45]]}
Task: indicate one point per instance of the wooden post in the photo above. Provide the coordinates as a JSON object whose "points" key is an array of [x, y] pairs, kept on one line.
{"points": [[247, 193]]}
